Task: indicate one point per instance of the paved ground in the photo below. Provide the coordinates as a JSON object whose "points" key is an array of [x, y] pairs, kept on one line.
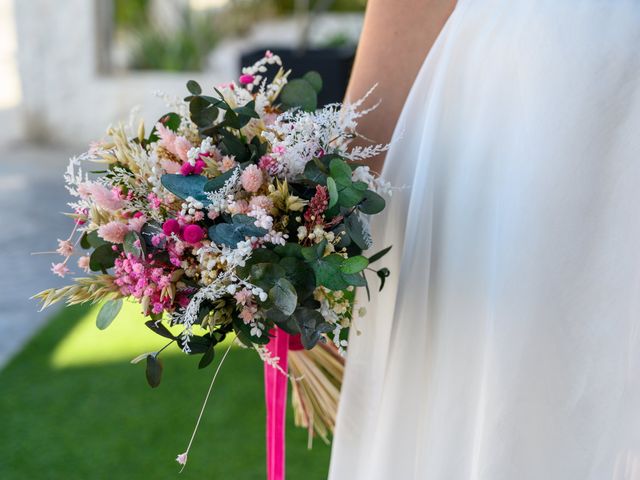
{"points": [[31, 196]]}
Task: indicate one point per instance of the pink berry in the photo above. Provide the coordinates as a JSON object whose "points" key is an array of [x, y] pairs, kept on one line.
{"points": [[246, 79], [171, 226], [186, 169], [192, 234]]}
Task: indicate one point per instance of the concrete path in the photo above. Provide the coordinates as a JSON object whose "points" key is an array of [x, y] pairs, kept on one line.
{"points": [[31, 196]]}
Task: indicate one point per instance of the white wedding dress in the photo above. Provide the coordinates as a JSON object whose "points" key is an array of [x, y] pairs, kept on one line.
{"points": [[506, 344]]}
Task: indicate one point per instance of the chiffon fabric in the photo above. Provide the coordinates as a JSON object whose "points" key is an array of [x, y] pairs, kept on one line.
{"points": [[506, 343]]}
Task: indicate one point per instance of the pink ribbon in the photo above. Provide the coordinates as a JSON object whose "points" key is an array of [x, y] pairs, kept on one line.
{"points": [[275, 389]]}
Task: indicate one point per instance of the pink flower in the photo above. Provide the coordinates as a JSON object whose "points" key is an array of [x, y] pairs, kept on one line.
{"points": [[182, 458], [104, 198], [227, 163], [84, 190], [156, 240], [83, 263], [170, 227], [279, 149], [182, 147], [213, 214], [167, 137], [252, 179], [154, 201], [65, 248], [239, 206], [246, 79], [113, 232], [137, 222], [268, 54], [243, 296], [170, 166], [261, 201], [247, 315], [59, 269], [269, 165], [192, 234]]}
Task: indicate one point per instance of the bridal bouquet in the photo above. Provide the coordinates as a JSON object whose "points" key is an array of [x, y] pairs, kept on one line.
{"points": [[243, 211]]}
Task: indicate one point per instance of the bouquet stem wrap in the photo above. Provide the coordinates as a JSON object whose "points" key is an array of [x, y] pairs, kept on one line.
{"points": [[275, 384]]}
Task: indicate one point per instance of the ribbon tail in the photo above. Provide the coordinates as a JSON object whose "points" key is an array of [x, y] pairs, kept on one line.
{"points": [[275, 384]]}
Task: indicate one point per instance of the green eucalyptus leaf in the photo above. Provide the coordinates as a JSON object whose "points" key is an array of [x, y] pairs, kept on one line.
{"points": [[153, 371], [284, 296], [354, 264], [207, 358], [202, 113], [372, 203], [134, 244], [157, 327], [109, 311], [299, 93], [218, 182], [183, 186], [356, 231], [312, 326], [194, 87], [289, 249], [314, 173], [340, 170], [103, 258], [314, 79], [333, 191]]}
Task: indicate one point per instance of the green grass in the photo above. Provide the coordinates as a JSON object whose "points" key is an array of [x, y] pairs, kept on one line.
{"points": [[73, 407]]}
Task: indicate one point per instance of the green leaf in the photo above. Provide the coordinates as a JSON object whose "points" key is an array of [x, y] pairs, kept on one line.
{"points": [[183, 186], [314, 252], [348, 196], [354, 264], [314, 79], [372, 203], [233, 146], [333, 191], [340, 170], [232, 233], [170, 120], [327, 270], [299, 93], [103, 258], [356, 231], [157, 327], [134, 244], [377, 256], [94, 240], [153, 371], [355, 279], [194, 87], [207, 358], [84, 241], [300, 275], [314, 173], [248, 110], [289, 249], [108, 313], [218, 182], [284, 296], [312, 326], [266, 275], [202, 113], [383, 273]]}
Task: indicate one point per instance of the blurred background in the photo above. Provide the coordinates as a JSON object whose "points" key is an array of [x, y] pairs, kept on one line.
{"points": [[71, 404]]}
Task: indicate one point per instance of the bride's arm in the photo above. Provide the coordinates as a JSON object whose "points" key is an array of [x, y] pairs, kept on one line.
{"points": [[396, 37]]}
